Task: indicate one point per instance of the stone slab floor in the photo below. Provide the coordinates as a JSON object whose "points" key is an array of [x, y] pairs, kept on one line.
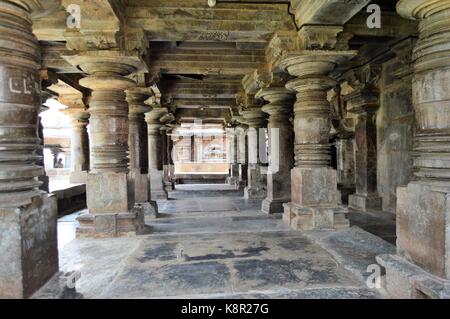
{"points": [[221, 247]]}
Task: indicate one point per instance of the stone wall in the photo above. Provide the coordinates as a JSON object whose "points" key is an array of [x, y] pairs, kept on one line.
{"points": [[395, 125]]}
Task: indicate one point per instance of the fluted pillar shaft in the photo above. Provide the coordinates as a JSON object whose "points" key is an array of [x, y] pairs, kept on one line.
{"points": [[155, 165], [255, 118], [364, 103], [20, 103], [109, 121], [281, 153], [423, 220], [79, 145], [28, 246], [110, 189], [137, 137], [315, 198]]}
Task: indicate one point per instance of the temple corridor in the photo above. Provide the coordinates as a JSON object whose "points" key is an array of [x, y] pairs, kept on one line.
{"points": [[225, 149], [207, 245]]}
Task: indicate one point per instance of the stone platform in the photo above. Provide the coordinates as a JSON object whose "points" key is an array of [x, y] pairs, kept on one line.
{"points": [[222, 247]]}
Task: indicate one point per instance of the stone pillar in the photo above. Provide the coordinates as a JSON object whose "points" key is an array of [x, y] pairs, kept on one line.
{"points": [[365, 103], [242, 154], [166, 132], [281, 150], [257, 173], [110, 195], [155, 166], [421, 268], [232, 157], [346, 165], [138, 148], [43, 178], [315, 198], [28, 246], [79, 143]]}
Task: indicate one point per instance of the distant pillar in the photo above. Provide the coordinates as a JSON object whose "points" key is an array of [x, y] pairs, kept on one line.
{"points": [[281, 148]]}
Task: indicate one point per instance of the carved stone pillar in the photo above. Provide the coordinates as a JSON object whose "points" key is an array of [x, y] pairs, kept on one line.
{"points": [[365, 102], [166, 132], [315, 198], [421, 267], [28, 246], [281, 150], [110, 196], [232, 157], [257, 173], [155, 166], [241, 134], [138, 144], [79, 141]]}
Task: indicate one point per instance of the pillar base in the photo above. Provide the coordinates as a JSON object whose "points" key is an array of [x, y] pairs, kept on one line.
{"points": [[157, 185], [255, 193], [423, 226], [315, 200], [365, 202], [169, 186], [28, 247], [78, 177], [271, 206], [309, 218], [150, 209], [233, 181], [111, 225], [404, 280]]}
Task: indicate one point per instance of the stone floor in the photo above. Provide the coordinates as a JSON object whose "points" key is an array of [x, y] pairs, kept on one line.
{"points": [[223, 247]]}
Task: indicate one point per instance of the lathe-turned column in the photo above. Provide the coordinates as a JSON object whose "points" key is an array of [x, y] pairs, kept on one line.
{"points": [[79, 144], [28, 246], [364, 103], [138, 145], [241, 134], [315, 198], [155, 166], [110, 195], [232, 158], [423, 219], [166, 131], [281, 148], [257, 173]]}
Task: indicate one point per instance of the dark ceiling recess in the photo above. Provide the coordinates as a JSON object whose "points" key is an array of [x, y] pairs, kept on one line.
{"points": [[386, 5], [199, 77]]}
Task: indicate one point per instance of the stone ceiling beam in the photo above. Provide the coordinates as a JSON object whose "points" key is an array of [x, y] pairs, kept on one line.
{"points": [[325, 12], [393, 26], [177, 20]]}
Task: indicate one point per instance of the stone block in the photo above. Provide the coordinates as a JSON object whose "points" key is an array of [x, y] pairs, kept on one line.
{"points": [[423, 226], [111, 225], [141, 187], [314, 187], [365, 203], [109, 193], [79, 177], [28, 247], [273, 206], [157, 185], [309, 218], [405, 280]]}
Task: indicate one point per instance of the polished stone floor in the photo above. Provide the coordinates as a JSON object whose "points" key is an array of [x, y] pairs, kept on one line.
{"points": [[222, 247]]}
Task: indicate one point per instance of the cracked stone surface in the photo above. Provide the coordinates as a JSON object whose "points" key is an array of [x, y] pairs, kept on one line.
{"points": [[234, 251]]}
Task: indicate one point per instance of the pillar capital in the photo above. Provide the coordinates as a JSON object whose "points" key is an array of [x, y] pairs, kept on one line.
{"points": [[155, 115], [314, 62], [255, 117], [280, 101], [136, 97]]}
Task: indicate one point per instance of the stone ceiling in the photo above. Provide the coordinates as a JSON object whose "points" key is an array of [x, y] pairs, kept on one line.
{"points": [[197, 55]]}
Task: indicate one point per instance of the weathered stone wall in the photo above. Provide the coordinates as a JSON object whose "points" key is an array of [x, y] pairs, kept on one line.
{"points": [[395, 124]]}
